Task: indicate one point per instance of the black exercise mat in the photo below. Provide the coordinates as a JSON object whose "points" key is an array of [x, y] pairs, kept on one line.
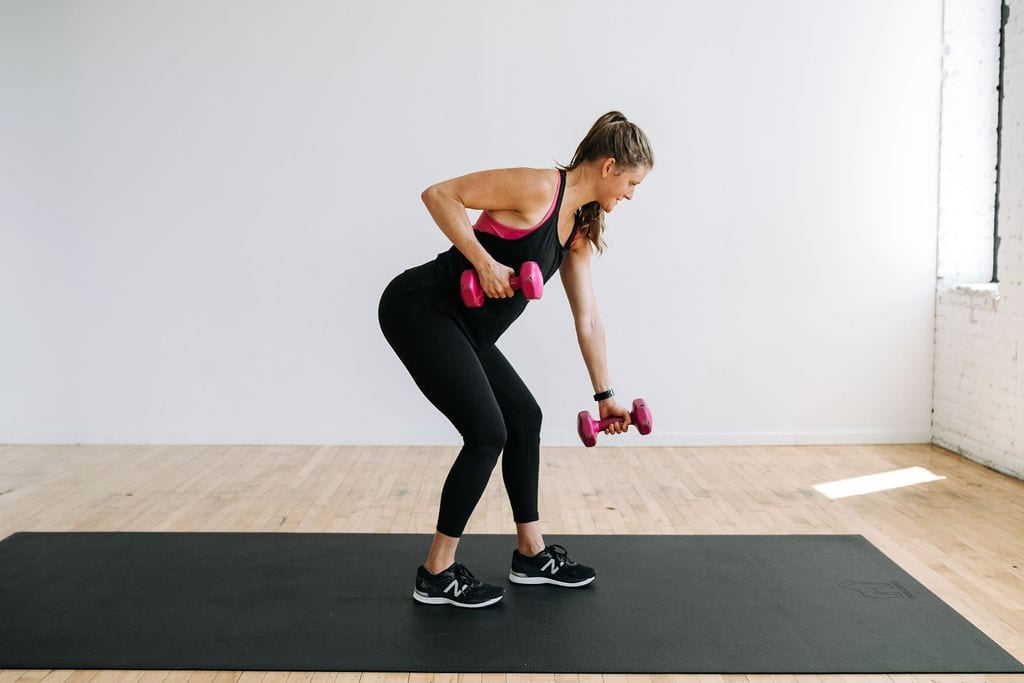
{"points": [[343, 602]]}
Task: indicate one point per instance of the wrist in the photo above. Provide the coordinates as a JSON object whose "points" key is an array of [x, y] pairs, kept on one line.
{"points": [[604, 395], [482, 261]]}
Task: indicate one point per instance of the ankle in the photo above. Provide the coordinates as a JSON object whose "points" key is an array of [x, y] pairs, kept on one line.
{"points": [[529, 539], [442, 553], [531, 549], [436, 568]]}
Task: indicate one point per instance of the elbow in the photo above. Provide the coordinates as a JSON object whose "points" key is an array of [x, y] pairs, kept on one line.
{"points": [[587, 325], [429, 195], [439, 198]]}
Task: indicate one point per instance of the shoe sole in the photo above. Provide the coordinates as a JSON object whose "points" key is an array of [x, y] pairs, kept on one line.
{"points": [[427, 600], [525, 580]]}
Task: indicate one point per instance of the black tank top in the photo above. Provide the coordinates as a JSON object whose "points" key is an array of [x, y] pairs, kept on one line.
{"points": [[483, 326]]}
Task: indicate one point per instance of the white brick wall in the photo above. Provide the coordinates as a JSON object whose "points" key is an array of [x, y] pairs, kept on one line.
{"points": [[978, 406]]}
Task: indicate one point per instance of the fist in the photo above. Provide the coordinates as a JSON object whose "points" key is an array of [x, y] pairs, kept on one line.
{"points": [[611, 408]]}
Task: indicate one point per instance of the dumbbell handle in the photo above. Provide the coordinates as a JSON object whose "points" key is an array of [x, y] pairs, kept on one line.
{"points": [[601, 425]]}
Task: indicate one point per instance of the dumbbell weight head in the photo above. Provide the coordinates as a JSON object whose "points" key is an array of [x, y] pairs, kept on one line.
{"points": [[469, 287], [642, 417], [530, 280], [586, 428]]}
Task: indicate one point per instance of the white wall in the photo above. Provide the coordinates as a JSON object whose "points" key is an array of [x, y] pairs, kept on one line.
{"points": [[979, 359], [201, 202]]}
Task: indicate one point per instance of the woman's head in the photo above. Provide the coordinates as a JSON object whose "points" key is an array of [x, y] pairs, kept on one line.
{"points": [[619, 151]]}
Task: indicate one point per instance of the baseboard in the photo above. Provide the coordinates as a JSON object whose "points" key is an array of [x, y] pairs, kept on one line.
{"points": [[448, 437]]}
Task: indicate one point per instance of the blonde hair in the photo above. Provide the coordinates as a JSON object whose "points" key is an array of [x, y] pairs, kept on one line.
{"points": [[613, 136]]}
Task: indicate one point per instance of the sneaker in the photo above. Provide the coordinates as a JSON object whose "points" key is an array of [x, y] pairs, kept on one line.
{"points": [[454, 586], [551, 565]]}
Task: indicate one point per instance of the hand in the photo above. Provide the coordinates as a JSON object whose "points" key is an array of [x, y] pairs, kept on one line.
{"points": [[496, 280], [610, 408]]}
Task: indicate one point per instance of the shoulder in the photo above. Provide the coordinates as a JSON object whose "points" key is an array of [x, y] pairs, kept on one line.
{"points": [[542, 182]]}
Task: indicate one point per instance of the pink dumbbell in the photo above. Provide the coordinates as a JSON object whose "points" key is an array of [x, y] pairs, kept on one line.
{"points": [[530, 280], [588, 428]]}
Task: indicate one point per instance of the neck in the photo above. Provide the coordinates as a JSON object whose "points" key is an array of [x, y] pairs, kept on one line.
{"points": [[580, 187]]}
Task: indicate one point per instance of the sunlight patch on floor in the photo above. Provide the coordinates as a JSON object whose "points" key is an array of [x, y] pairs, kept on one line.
{"points": [[873, 483]]}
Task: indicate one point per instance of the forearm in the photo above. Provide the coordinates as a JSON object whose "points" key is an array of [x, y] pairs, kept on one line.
{"points": [[450, 215], [591, 337]]}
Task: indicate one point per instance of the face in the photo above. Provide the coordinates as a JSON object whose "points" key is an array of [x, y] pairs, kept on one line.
{"points": [[618, 183]]}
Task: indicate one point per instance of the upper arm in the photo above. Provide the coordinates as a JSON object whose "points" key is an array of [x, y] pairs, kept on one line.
{"points": [[508, 189], [577, 282]]}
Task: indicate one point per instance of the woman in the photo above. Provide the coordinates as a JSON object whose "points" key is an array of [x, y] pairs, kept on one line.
{"points": [[554, 217]]}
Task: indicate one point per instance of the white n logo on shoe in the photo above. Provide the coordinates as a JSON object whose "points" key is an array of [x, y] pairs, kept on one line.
{"points": [[454, 588], [550, 564]]}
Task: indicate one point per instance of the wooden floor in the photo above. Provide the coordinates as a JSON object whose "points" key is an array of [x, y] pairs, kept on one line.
{"points": [[962, 537]]}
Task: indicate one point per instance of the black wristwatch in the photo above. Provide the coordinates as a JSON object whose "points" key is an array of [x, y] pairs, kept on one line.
{"points": [[608, 393]]}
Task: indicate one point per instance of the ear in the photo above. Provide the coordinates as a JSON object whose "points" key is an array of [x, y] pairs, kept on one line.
{"points": [[606, 167]]}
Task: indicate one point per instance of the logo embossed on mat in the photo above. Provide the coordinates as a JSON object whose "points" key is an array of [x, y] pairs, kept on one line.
{"points": [[878, 590]]}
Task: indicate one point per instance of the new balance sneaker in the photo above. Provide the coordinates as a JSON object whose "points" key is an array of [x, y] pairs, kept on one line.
{"points": [[551, 565], [454, 586]]}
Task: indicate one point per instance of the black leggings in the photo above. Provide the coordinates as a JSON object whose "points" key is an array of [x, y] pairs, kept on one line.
{"points": [[482, 396]]}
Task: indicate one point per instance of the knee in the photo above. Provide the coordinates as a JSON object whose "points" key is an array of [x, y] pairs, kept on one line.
{"points": [[487, 440], [528, 423], [534, 419]]}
